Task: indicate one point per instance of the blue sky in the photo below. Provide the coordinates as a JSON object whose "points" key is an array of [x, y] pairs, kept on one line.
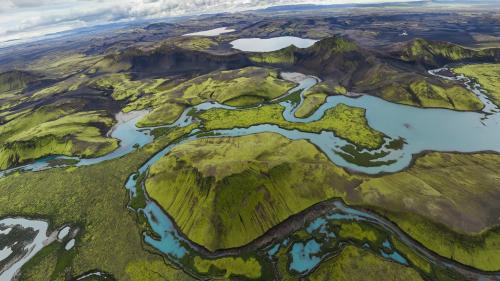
{"points": [[21, 19]]}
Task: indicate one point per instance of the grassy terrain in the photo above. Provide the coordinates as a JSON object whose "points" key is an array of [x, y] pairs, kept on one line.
{"points": [[448, 202], [445, 201], [351, 250], [454, 97], [316, 96], [481, 251], [459, 192], [417, 90], [68, 129], [124, 87], [56, 118], [485, 74], [283, 56], [213, 180], [94, 199], [15, 101], [229, 86], [311, 103], [204, 185], [55, 129], [139, 95], [358, 264], [436, 53], [164, 114], [195, 43], [14, 80], [63, 64], [327, 48], [345, 121], [333, 46], [341, 62], [240, 87], [155, 270], [230, 266]]}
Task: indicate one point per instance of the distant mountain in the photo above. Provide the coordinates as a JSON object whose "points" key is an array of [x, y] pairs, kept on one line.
{"points": [[465, 1], [306, 7], [159, 26]]}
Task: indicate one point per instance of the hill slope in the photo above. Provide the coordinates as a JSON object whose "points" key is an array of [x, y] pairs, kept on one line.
{"points": [[241, 187], [15, 80], [340, 62], [437, 53]]}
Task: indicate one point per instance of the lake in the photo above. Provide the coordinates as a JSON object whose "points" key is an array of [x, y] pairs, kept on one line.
{"points": [[211, 32], [270, 44]]}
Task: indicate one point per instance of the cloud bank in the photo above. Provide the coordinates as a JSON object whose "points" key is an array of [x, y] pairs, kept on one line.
{"points": [[21, 19]]}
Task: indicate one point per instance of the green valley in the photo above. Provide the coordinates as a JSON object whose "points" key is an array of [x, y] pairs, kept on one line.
{"points": [[249, 141]]}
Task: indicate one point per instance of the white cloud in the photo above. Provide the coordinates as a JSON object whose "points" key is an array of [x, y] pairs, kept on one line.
{"points": [[27, 18]]}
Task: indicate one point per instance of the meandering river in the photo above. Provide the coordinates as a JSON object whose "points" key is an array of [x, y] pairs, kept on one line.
{"points": [[421, 129]]}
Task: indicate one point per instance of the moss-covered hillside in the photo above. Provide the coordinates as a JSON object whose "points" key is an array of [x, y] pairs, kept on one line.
{"points": [[402, 78], [436, 53], [240, 187]]}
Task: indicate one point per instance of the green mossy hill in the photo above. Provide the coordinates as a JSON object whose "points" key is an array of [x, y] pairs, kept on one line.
{"points": [[341, 62], [334, 58], [195, 43], [240, 187], [488, 75], [241, 87], [64, 64], [312, 101], [358, 264], [460, 191], [112, 63], [326, 48], [283, 56], [15, 80], [458, 187], [436, 53], [125, 88], [334, 45], [52, 130], [449, 96], [481, 251], [449, 194], [316, 96], [92, 198], [345, 121], [188, 60], [417, 90]]}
